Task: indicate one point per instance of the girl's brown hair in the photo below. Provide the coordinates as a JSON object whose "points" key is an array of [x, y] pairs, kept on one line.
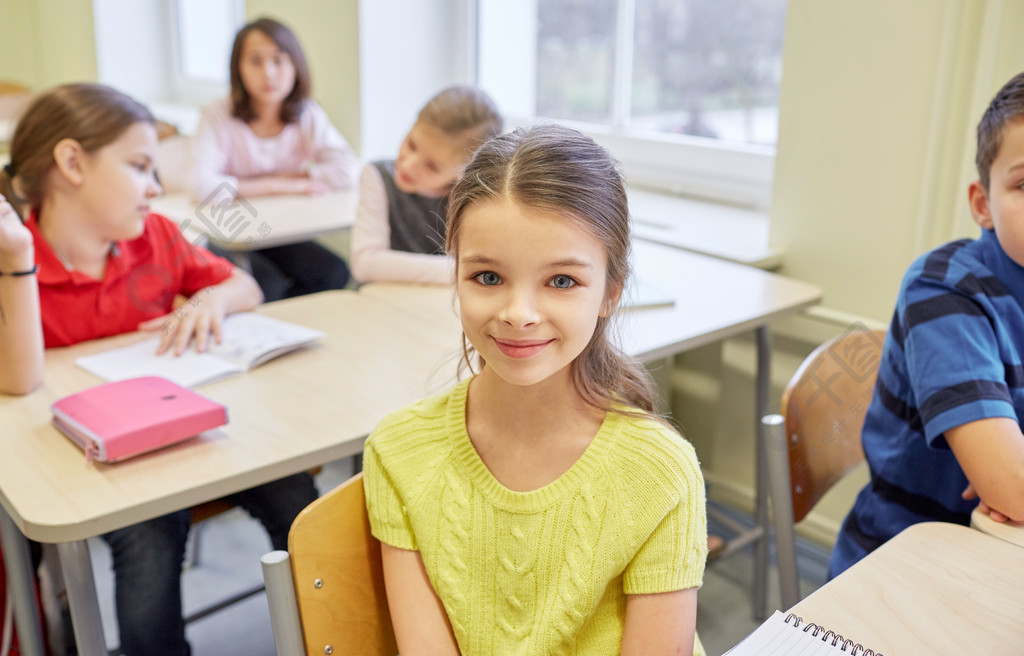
{"points": [[463, 112], [555, 169], [92, 114], [241, 101]]}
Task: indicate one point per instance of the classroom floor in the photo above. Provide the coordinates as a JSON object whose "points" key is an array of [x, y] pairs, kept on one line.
{"points": [[232, 543]]}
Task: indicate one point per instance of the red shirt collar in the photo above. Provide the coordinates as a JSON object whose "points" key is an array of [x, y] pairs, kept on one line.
{"points": [[124, 258]]}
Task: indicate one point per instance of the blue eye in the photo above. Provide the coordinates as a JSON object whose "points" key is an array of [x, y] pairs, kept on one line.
{"points": [[563, 282], [488, 278]]}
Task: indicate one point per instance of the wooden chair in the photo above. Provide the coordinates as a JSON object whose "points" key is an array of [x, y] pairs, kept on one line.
{"points": [[822, 413], [326, 593]]}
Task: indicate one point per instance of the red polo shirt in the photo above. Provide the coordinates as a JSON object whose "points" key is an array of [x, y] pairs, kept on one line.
{"points": [[141, 280]]}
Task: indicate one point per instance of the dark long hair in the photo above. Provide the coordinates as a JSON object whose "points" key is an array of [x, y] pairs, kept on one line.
{"points": [[241, 101]]}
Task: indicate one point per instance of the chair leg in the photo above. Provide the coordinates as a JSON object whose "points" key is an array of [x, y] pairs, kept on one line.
{"points": [[777, 452], [284, 607]]}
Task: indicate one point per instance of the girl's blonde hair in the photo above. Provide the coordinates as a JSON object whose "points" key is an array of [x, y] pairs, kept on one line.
{"points": [[555, 169], [463, 112], [94, 115]]}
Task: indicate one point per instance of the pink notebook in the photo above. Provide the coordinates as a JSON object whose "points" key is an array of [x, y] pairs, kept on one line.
{"points": [[118, 420]]}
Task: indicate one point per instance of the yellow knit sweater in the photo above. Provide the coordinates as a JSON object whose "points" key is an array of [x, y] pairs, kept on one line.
{"points": [[546, 571]]}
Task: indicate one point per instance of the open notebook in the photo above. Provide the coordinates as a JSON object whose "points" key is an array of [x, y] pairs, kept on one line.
{"points": [[789, 635], [249, 340]]}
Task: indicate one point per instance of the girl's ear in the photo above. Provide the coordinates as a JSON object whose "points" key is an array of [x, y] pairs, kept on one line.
{"points": [[69, 158], [611, 301]]}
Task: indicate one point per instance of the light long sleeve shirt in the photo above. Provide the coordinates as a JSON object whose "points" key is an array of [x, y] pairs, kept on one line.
{"points": [[373, 259], [225, 149]]}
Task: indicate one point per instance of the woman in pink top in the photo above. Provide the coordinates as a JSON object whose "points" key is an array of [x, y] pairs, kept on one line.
{"points": [[269, 138]]}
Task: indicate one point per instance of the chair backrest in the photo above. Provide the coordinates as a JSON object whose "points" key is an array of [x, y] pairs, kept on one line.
{"points": [[339, 582], [824, 407]]}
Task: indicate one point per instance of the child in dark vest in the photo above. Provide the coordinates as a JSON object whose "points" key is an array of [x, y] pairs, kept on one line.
{"points": [[399, 229]]}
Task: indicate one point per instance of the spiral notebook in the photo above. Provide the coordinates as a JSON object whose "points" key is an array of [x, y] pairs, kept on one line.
{"points": [[789, 635]]}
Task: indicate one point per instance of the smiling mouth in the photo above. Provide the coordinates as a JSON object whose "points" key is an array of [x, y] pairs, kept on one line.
{"points": [[519, 349]]}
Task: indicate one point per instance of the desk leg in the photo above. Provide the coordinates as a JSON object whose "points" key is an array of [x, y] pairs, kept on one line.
{"points": [[18, 565], [81, 587], [762, 395]]}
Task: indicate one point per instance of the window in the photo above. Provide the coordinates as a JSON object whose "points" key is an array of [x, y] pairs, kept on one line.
{"points": [[171, 55], [684, 92], [202, 32]]}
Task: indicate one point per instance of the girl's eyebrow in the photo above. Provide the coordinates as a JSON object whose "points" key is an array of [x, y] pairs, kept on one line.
{"points": [[477, 259], [571, 262], [561, 264]]}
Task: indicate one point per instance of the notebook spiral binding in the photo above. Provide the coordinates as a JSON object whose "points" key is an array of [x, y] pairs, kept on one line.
{"points": [[837, 640]]}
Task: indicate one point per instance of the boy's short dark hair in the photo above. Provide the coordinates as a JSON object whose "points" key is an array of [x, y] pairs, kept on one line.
{"points": [[1008, 105]]}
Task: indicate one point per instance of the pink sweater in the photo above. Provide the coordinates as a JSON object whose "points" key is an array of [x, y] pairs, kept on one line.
{"points": [[225, 149]]}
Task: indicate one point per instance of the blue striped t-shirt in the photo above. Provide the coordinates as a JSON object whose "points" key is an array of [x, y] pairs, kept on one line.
{"points": [[953, 355]]}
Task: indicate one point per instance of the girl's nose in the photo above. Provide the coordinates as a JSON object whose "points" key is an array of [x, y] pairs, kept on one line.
{"points": [[153, 189], [520, 309]]}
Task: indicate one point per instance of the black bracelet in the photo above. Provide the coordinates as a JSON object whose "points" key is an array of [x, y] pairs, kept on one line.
{"points": [[29, 272]]}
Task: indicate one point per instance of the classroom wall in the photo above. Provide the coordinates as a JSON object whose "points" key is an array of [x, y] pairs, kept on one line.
{"points": [[47, 42]]}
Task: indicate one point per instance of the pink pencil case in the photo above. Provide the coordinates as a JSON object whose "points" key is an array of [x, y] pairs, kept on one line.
{"points": [[118, 420]]}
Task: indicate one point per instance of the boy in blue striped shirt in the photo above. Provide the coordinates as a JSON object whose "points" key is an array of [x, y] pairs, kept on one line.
{"points": [[943, 427]]}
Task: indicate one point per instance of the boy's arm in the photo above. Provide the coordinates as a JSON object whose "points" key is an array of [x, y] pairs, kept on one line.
{"points": [[991, 453], [419, 619], [21, 331], [660, 624]]}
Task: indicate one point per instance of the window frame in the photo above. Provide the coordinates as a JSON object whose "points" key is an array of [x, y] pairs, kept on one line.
{"points": [[714, 169], [184, 89]]}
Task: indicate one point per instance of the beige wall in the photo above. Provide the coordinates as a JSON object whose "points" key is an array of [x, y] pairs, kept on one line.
{"points": [[329, 33], [47, 42]]}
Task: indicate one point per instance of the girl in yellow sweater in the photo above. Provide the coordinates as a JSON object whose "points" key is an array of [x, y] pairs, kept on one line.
{"points": [[539, 507]]}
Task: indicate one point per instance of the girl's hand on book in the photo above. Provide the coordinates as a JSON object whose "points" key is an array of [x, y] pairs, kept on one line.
{"points": [[996, 516], [16, 252], [200, 316]]}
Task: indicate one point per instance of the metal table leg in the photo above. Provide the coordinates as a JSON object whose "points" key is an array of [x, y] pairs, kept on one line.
{"points": [[81, 587], [18, 565], [762, 400]]}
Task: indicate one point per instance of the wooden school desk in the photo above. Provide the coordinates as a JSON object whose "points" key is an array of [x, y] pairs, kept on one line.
{"points": [[301, 410], [252, 224], [935, 588], [714, 299]]}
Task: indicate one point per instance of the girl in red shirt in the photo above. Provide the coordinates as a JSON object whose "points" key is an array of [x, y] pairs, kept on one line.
{"points": [[91, 260]]}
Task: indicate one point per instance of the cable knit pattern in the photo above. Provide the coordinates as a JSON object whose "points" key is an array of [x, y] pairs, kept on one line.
{"points": [[543, 572]]}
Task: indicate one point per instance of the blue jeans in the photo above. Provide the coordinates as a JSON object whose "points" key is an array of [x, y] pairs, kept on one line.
{"points": [[147, 562]]}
